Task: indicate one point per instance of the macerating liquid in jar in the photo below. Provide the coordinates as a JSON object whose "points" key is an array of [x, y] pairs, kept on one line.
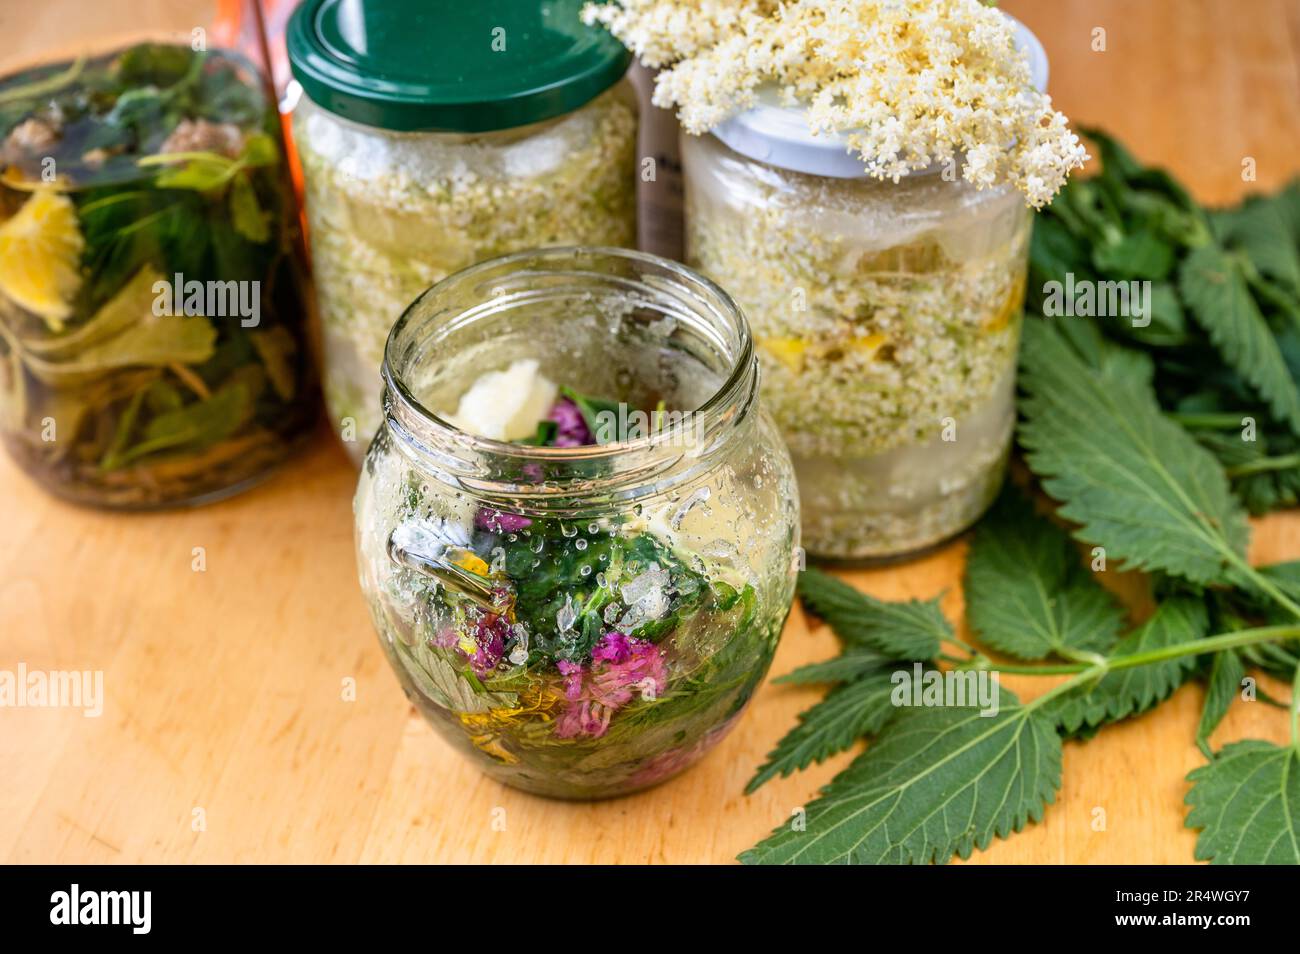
{"points": [[887, 318], [520, 133], [576, 531], [153, 335]]}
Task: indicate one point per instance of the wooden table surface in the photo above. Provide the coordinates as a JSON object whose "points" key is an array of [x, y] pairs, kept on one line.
{"points": [[226, 735]]}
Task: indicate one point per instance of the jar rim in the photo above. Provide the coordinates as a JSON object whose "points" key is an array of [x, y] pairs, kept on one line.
{"points": [[435, 436]]}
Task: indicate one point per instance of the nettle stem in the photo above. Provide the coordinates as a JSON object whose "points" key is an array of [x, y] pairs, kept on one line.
{"points": [[1264, 465], [1295, 711], [1211, 644], [1225, 421], [1266, 585], [1197, 647]]}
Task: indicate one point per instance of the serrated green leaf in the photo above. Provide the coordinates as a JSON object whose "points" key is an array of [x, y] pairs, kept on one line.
{"points": [[1127, 692], [1221, 689], [1054, 252], [910, 629], [1247, 804], [1136, 483], [853, 663], [846, 714], [936, 782], [1285, 575], [1215, 288], [1142, 256], [1027, 594], [443, 683], [1261, 227]]}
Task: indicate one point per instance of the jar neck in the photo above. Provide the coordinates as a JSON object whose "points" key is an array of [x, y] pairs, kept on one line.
{"points": [[451, 322]]}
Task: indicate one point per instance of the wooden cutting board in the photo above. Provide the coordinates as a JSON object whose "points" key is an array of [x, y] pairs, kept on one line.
{"points": [[227, 736]]}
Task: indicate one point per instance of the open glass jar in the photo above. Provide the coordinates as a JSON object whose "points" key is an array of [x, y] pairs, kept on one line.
{"points": [[887, 317], [520, 133], [153, 337], [583, 621]]}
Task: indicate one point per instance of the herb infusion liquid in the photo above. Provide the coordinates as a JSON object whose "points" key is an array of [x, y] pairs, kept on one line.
{"points": [[153, 344], [886, 315], [582, 621]]}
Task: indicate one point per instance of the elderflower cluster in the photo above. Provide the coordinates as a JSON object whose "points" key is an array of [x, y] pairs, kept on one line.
{"points": [[907, 82]]}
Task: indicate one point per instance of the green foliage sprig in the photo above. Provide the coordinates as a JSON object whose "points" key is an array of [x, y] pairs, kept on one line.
{"points": [[1130, 428]]}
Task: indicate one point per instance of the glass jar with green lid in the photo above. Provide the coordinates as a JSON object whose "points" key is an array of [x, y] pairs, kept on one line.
{"points": [[432, 138]]}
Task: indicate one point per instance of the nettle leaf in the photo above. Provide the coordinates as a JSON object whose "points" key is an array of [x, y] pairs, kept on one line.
{"points": [[909, 629], [1139, 256], [443, 682], [1285, 575], [1214, 284], [1261, 227], [854, 662], [1127, 692], [1224, 683], [936, 782], [846, 714], [1247, 804], [1027, 594], [1136, 483]]}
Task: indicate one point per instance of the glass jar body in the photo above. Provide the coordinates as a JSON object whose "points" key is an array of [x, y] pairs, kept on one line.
{"points": [[887, 317], [391, 213], [625, 602], [154, 344]]}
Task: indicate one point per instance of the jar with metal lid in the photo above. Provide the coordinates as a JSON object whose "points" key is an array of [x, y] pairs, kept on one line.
{"points": [[887, 316], [154, 345], [431, 139], [583, 619]]}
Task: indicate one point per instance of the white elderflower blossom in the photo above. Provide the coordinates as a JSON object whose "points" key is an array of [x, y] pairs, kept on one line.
{"points": [[908, 82]]}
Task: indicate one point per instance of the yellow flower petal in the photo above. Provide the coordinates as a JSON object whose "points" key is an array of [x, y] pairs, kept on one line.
{"points": [[40, 257]]}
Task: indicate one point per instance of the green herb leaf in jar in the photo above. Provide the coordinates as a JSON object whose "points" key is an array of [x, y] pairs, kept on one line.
{"points": [[152, 332], [576, 530]]}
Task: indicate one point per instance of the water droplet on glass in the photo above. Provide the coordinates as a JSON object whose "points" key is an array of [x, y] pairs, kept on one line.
{"points": [[697, 498], [580, 544], [720, 549], [567, 614]]}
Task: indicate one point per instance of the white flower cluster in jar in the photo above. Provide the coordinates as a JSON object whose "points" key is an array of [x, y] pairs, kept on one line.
{"points": [[870, 339], [885, 316], [907, 82], [392, 213]]}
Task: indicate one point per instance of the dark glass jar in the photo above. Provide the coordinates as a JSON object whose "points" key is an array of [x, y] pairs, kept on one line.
{"points": [[153, 334]]}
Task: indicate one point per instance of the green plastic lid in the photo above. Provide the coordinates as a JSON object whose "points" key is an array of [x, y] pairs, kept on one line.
{"points": [[450, 65]]}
